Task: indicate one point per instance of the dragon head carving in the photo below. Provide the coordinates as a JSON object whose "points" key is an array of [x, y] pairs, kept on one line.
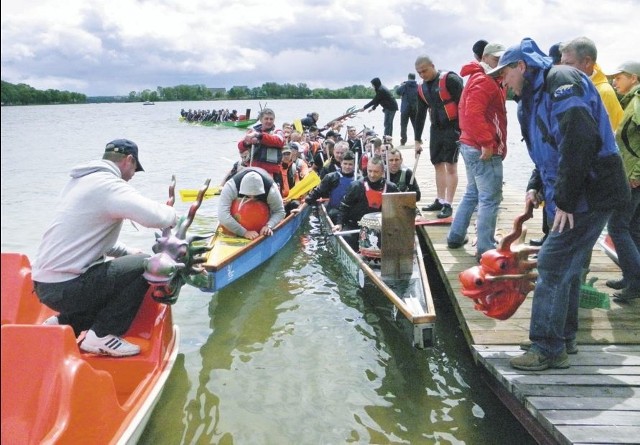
{"points": [[176, 259]]}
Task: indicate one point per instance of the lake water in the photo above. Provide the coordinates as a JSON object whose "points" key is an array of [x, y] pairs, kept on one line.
{"points": [[295, 354]]}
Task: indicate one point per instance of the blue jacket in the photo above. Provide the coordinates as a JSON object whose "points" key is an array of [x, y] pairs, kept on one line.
{"points": [[569, 137], [408, 91]]}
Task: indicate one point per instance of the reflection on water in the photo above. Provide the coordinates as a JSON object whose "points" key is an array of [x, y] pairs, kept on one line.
{"points": [[297, 354], [292, 354]]}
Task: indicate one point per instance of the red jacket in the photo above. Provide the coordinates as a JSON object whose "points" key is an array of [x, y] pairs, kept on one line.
{"points": [[271, 140], [482, 111]]}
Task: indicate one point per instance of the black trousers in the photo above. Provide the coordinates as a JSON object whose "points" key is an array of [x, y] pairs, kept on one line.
{"points": [[405, 118], [105, 298]]}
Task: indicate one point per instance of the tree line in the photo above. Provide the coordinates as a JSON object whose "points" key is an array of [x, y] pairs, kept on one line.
{"points": [[22, 94]]}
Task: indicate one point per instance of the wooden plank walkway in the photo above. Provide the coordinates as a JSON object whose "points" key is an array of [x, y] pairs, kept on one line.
{"points": [[597, 400]]}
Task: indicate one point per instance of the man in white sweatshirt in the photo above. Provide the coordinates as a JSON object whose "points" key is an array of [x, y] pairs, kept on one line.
{"points": [[81, 270]]}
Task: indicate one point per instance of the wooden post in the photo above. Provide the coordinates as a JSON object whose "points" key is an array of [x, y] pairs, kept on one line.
{"points": [[248, 113], [398, 234]]}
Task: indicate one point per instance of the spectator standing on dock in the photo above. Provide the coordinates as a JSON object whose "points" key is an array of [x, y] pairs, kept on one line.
{"points": [[478, 49], [572, 146], [408, 91], [385, 99], [483, 145], [581, 53], [440, 93], [535, 182], [624, 224]]}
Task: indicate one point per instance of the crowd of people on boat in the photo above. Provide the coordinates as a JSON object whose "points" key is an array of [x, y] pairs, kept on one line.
{"points": [[583, 140], [221, 115], [287, 155]]}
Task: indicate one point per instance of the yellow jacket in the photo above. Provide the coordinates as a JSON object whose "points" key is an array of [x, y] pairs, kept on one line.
{"points": [[608, 96]]}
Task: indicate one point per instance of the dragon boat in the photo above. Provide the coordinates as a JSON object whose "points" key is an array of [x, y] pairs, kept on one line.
{"points": [[231, 257], [389, 262]]}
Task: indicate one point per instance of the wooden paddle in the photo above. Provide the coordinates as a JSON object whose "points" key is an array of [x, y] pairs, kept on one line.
{"points": [[305, 185], [435, 222], [191, 195], [425, 222]]}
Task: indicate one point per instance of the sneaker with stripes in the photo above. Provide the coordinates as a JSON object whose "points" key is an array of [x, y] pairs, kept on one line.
{"points": [[108, 345], [51, 321]]}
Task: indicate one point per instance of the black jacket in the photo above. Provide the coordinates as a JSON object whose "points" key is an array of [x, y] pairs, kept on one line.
{"points": [[354, 205], [383, 97]]}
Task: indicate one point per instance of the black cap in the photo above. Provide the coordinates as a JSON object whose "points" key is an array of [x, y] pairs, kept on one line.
{"points": [[478, 48], [332, 133], [126, 147]]}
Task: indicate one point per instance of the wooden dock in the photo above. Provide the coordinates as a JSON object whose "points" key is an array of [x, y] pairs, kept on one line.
{"points": [[597, 399]]}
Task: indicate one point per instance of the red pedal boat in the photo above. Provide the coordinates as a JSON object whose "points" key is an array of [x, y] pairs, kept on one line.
{"points": [[54, 393]]}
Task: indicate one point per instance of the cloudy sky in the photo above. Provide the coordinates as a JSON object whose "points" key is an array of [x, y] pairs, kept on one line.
{"points": [[112, 47]]}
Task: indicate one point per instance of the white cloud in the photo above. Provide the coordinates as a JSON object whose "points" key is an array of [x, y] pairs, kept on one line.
{"points": [[114, 47]]}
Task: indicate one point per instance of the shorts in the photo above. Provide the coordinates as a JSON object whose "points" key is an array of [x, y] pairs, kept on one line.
{"points": [[444, 145]]}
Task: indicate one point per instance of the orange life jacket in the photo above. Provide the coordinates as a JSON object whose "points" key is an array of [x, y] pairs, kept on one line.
{"points": [[374, 197], [450, 107]]}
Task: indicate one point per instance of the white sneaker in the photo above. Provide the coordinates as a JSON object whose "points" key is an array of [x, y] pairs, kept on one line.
{"points": [[51, 321], [108, 345]]}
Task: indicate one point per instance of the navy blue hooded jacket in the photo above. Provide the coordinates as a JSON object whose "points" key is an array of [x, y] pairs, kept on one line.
{"points": [[569, 137]]}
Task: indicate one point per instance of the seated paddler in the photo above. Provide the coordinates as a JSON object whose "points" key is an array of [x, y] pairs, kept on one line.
{"points": [[362, 197], [250, 204]]}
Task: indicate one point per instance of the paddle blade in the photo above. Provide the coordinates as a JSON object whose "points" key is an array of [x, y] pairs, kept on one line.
{"points": [[305, 185], [190, 195], [435, 222]]}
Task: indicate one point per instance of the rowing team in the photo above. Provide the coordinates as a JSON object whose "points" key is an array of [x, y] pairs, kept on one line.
{"points": [[275, 161]]}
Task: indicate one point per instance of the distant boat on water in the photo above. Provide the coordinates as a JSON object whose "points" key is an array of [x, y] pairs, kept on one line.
{"points": [[149, 103]]}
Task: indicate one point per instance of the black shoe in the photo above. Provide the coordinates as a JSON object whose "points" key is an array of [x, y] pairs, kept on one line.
{"points": [[403, 141], [537, 242], [616, 284], [437, 205], [446, 211], [627, 294], [451, 245]]}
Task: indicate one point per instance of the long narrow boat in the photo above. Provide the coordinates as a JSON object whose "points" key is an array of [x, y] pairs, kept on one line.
{"points": [[54, 393], [228, 124], [400, 276], [231, 257]]}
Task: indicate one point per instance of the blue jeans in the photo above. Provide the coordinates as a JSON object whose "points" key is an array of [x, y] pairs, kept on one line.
{"points": [[554, 312], [624, 228], [484, 190]]}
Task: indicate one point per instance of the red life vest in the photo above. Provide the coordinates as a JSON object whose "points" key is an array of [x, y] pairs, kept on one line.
{"points": [[374, 197], [450, 107]]}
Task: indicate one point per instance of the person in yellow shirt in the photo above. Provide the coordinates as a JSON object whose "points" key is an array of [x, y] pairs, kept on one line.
{"points": [[581, 53]]}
